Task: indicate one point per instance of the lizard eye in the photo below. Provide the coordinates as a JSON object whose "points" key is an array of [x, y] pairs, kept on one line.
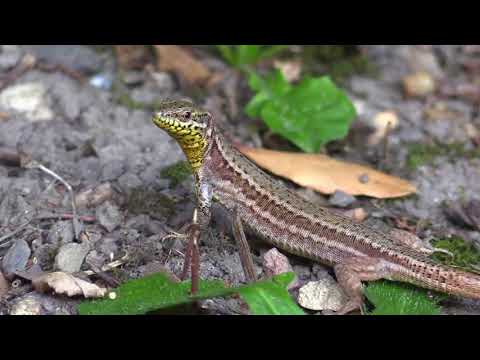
{"points": [[188, 114]]}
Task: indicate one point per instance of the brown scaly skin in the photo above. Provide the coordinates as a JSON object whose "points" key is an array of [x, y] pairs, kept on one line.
{"points": [[279, 216]]}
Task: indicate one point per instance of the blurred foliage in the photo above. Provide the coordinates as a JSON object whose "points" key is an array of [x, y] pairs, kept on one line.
{"points": [[240, 55], [423, 154], [465, 255], [177, 172], [393, 298], [309, 114]]}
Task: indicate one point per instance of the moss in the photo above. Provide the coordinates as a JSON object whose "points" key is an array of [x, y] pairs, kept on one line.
{"points": [[141, 201], [421, 154], [338, 61], [177, 172], [465, 255]]}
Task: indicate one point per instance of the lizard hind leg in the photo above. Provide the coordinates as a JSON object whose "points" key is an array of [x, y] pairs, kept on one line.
{"points": [[350, 274]]}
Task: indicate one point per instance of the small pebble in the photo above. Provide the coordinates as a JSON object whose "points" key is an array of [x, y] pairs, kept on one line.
{"points": [[29, 99], [70, 257], [109, 216], [275, 263], [420, 84], [61, 233], [341, 199], [324, 294], [16, 258], [364, 179], [27, 305]]}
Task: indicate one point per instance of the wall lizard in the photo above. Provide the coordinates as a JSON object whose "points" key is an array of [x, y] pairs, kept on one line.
{"points": [[284, 219]]}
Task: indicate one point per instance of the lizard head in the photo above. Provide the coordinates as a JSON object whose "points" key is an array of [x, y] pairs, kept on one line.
{"points": [[187, 124]]}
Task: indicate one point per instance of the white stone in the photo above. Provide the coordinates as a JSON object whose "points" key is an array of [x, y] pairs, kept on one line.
{"points": [[324, 294], [29, 99]]}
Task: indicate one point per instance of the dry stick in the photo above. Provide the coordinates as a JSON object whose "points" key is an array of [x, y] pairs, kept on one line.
{"points": [[85, 219], [13, 233], [110, 280], [386, 143], [9, 156], [33, 164], [27, 63]]}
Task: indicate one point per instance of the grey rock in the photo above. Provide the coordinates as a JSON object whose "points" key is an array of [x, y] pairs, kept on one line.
{"points": [[341, 199], [164, 82], [61, 233], [324, 294], [14, 210], [139, 223], [107, 246], [16, 258], [129, 181], [29, 99], [109, 216], [76, 57], [133, 78], [9, 56], [113, 170], [70, 257], [45, 256], [96, 259], [40, 304]]}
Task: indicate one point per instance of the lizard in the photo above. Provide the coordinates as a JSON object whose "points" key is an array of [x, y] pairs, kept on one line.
{"points": [[279, 216]]}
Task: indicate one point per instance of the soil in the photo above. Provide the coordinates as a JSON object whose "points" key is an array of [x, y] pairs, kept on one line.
{"points": [[95, 130]]}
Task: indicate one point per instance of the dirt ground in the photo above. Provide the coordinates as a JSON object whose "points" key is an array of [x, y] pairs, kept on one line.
{"points": [[81, 122]]}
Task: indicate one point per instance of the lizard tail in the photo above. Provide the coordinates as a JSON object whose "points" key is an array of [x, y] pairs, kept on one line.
{"points": [[445, 279]]}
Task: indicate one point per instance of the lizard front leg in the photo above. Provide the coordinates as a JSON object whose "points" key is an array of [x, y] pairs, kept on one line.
{"points": [[200, 221], [350, 274]]}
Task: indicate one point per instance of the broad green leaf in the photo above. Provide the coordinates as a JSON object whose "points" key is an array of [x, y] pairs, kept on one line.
{"points": [[392, 298], [157, 291], [274, 85], [150, 293], [310, 114], [270, 297], [242, 55]]}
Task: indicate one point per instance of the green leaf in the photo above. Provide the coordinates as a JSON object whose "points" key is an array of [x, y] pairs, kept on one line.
{"points": [[242, 55], [157, 291], [392, 298], [310, 114], [150, 293], [270, 297]]}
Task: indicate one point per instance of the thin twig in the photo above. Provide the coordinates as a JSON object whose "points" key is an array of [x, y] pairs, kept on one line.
{"points": [[13, 233], [33, 164], [109, 266], [85, 219], [27, 63], [9, 156]]}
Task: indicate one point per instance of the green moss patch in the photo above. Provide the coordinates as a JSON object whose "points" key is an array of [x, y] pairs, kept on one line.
{"points": [[177, 173]]}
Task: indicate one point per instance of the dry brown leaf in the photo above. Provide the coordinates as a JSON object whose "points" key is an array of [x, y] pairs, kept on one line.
{"points": [[327, 175], [132, 56], [176, 59], [63, 283]]}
